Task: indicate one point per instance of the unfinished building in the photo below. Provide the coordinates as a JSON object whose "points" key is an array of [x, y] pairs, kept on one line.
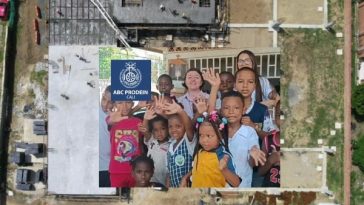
{"points": [[188, 20]]}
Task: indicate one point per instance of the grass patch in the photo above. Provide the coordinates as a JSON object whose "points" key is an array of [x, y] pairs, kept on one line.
{"points": [[2, 35], [357, 193], [335, 180], [38, 77], [315, 50], [1, 56], [31, 93]]}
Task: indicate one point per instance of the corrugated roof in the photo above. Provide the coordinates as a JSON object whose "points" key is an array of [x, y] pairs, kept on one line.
{"points": [[180, 12]]}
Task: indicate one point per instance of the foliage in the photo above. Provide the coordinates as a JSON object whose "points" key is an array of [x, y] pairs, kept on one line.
{"points": [[105, 56], [357, 194], [358, 153], [38, 76], [358, 99]]}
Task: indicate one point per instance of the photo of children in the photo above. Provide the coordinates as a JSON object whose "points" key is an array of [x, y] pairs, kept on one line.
{"points": [[216, 102], [221, 137]]}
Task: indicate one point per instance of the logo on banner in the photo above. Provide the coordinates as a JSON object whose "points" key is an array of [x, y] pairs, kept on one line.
{"points": [[131, 76], [127, 77]]}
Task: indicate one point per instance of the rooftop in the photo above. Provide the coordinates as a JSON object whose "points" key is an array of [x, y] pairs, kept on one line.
{"points": [[176, 12], [73, 165]]}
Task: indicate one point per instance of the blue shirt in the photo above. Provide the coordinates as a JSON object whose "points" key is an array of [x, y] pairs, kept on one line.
{"points": [[259, 113], [221, 152]]}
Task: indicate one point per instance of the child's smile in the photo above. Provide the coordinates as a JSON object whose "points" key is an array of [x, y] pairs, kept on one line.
{"points": [[176, 128]]}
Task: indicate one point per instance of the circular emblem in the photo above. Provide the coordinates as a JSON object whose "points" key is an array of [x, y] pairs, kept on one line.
{"points": [[179, 160], [130, 76]]}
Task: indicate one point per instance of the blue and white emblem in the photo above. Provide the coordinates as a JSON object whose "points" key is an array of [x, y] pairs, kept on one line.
{"points": [[126, 80], [130, 76]]}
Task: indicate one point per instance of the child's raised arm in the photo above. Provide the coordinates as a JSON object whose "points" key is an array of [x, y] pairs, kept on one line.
{"points": [[214, 80], [201, 107], [148, 115], [114, 117], [174, 108], [159, 103]]}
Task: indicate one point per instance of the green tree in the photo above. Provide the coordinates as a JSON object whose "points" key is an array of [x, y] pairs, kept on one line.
{"points": [[358, 99], [358, 152]]}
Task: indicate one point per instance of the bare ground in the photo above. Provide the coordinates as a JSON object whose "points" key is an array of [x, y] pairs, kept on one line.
{"points": [[250, 11], [26, 91]]}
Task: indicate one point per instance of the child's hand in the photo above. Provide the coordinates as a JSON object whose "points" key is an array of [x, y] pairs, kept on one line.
{"points": [[142, 128], [149, 114], [274, 157], [159, 103], [247, 121], [224, 162], [115, 117], [212, 77], [258, 156], [201, 105], [172, 108]]}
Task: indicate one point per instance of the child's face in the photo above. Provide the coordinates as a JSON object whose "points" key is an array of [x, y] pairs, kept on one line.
{"points": [[208, 138], [160, 131], [142, 174], [164, 85], [245, 83], [124, 107], [244, 61], [193, 80], [232, 109], [227, 83], [176, 128], [106, 102]]}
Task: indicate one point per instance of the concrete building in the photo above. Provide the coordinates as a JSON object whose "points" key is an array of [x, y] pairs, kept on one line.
{"points": [[178, 61]]}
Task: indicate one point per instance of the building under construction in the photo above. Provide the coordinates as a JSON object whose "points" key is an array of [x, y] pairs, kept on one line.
{"points": [[81, 22], [141, 19]]}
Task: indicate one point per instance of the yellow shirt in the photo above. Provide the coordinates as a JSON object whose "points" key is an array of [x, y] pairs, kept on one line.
{"points": [[206, 171]]}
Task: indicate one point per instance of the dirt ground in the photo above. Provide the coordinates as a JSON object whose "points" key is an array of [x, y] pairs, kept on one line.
{"points": [[187, 195], [250, 38], [51, 200], [298, 169], [28, 54], [297, 95], [312, 93], [301, 12], [250, 11]]}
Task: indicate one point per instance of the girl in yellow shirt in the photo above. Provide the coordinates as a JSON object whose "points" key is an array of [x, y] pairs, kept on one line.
{"points": [[212, 164]]}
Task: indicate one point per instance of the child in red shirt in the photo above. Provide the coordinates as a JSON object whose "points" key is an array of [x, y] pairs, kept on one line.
{"points": [[125, 144]]}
